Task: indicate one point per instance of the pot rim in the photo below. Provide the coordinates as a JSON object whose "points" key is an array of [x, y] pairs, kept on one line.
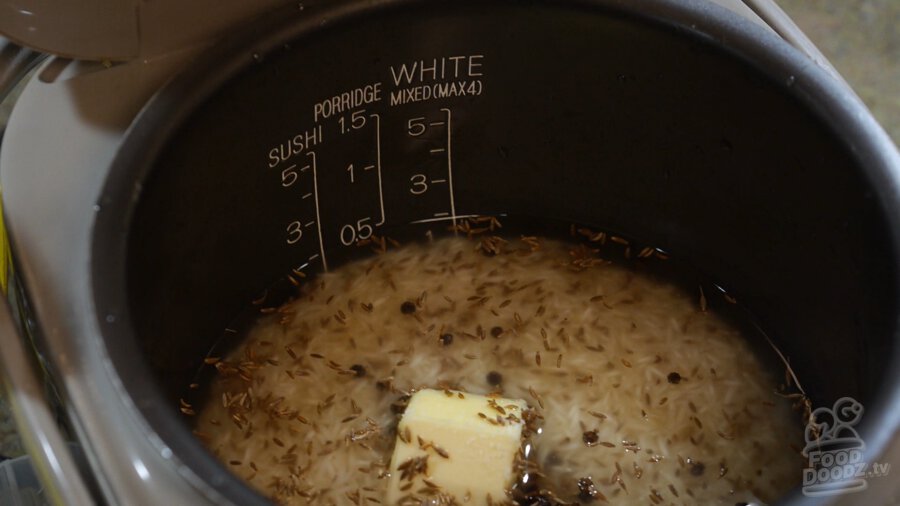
{"points": [[832, 103]]}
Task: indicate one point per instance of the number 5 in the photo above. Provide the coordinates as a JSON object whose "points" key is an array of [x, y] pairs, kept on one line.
{"points": [[365, 230], [289, 176], [416, 126], [358, 119]]}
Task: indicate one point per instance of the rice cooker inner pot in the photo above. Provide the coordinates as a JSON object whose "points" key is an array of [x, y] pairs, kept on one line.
{"points": [[629, 121]]}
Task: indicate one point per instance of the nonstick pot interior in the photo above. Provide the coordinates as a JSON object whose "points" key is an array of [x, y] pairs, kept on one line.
{"points": [[674, 124]]}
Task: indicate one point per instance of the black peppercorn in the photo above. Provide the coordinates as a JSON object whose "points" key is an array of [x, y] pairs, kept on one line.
{"points": [[446, 339], [359, 370], [674, 378], [408, 307], [586, 490], [697, 468], [590, 437], [496, 331], [494, 378]]}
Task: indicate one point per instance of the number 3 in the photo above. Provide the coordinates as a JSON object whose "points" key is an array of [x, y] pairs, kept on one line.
{"points": [[295, 232], [419, 186]]}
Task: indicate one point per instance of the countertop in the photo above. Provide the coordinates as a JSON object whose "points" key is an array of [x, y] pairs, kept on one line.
{"points": [[861, 38]]}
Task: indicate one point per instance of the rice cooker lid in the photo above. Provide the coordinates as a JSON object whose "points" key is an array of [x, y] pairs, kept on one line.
{"points": [[119, 30]]}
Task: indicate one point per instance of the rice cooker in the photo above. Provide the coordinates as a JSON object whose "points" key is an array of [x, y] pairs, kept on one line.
{"points": [[169, 161]]}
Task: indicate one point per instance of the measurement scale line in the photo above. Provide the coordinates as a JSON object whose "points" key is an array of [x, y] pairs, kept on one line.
{"points": [[450, 169], [312, 155], [436, 150], [378, 165], [445, 218]]}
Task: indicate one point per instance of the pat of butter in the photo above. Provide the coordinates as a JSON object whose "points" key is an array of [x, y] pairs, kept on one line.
{"points": [[457, 444]]}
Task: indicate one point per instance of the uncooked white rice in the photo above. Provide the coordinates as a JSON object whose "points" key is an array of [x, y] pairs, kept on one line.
{"points": [[677, 407]]}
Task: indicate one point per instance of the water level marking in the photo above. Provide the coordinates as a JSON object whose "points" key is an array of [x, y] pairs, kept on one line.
{"points": [[377, 119], [312, 155], [445, 218], [450, 167]]}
